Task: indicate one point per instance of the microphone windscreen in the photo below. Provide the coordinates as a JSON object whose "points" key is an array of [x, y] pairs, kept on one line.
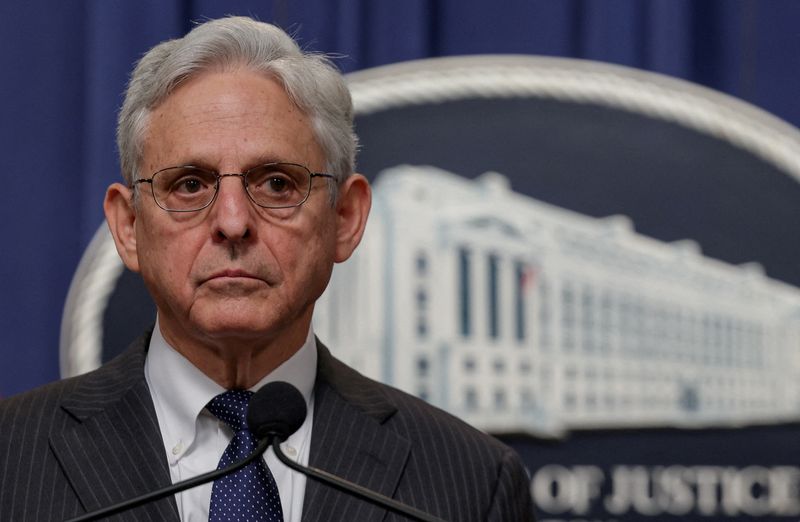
{"points": [[277, 409]]}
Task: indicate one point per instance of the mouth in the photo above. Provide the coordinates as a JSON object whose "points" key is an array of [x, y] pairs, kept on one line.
{"points": [[231, 274]]}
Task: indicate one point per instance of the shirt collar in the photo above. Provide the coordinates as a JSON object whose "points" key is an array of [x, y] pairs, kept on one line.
{"points": [[180, 390]]}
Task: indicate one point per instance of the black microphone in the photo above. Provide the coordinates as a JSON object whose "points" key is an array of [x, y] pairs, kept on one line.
{"points": [[278, 421], [276, 415]]}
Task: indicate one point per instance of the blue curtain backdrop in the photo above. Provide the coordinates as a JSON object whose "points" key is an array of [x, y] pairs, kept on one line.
{"points": [[64, 66]]}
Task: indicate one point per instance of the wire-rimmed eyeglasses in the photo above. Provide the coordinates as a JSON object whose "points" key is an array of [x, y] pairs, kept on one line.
{"points": [[273, 185]]}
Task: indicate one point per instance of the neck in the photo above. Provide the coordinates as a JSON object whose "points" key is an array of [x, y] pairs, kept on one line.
{"points": [[237, 362]]}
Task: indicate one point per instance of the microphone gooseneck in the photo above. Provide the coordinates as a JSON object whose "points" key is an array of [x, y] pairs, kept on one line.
{"points": [[279, 412], [353, 488]]}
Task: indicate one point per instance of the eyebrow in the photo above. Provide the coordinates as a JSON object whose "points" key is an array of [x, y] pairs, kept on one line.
{"points": [[206, 165]]}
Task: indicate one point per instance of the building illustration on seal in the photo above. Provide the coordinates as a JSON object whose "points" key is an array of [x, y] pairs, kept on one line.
{"points": [[520, 316]]}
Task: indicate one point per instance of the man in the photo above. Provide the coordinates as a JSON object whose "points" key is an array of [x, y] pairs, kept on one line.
{"points": [[237, 151]]}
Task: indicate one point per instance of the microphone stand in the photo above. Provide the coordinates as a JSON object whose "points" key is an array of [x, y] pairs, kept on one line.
{"points": [[351, 487], [261, 447]]}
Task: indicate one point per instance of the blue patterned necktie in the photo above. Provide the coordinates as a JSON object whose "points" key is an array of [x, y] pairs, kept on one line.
{"points": [[250, 494]]}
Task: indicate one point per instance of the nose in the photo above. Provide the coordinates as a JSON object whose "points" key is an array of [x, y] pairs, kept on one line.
{"points": [[232, 211]]}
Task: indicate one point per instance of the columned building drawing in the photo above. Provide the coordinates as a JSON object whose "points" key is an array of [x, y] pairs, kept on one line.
{"points": [[520, 316]]}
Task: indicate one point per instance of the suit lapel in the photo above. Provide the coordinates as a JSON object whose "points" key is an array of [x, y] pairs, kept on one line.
{"points": [[350, 440], [114, 450]]}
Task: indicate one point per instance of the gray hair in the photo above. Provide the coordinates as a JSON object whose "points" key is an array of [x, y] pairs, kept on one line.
{"points": [[311, 81]]}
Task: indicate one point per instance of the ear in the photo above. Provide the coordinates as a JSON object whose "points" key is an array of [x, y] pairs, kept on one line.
{"points": [[121, 217], [352, 208]]}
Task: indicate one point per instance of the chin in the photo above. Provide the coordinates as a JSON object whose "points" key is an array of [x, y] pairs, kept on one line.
{"points": [[236, 323], [236, 326], [248, 318]]}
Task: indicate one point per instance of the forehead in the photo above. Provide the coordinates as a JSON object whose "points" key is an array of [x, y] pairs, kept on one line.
{"points": [[227, 120]]}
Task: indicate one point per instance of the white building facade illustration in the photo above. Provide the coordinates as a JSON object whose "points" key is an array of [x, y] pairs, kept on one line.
{"points": [[519, 316]]}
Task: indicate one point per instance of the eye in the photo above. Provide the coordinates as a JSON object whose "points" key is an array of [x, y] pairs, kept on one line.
{"points": [[277, 183], [189, 185], [185, 188], [184, 182], [275, 180]]}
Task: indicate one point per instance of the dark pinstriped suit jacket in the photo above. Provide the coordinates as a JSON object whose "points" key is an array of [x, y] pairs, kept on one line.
{"points": [[90, 441]]}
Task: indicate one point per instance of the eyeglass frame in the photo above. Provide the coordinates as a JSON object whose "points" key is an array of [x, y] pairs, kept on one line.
{"points": [[243, 175]]}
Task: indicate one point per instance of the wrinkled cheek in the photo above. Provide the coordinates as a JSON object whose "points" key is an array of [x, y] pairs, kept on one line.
{"points": [[320, 278], [163, 277]]}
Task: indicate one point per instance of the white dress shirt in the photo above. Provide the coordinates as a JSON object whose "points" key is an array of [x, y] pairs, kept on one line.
{"points": [[194, 439]]}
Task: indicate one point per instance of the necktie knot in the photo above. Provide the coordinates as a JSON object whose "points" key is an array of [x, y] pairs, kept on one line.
{"points": [[231, 408]]}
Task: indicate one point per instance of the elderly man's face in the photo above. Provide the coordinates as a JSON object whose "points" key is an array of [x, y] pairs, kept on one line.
{"points": [[234, 271]]}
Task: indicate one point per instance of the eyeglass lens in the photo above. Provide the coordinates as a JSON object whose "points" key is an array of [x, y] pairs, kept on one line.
{"points": [[274, 185]]}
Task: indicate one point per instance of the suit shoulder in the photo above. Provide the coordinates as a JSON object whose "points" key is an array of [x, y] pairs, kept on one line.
{"points": [[406, 414], [76, 395], [31, 414], [426, 421], [40, 396], [443, 451]]}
